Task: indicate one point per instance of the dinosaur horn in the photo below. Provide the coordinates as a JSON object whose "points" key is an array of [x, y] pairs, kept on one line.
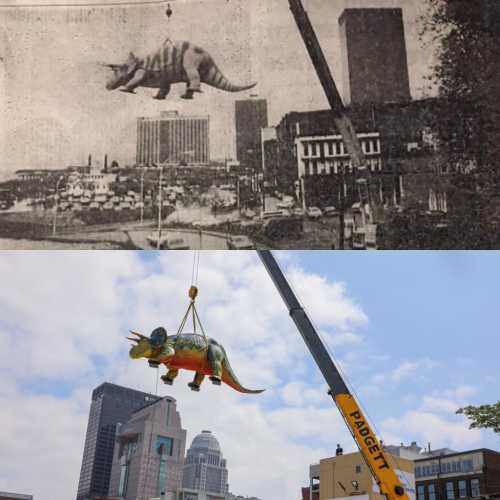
{"points": [[138, 334], [133, 339]]}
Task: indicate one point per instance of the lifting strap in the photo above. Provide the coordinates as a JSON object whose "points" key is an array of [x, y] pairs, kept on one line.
{"points": [[192, 293]]}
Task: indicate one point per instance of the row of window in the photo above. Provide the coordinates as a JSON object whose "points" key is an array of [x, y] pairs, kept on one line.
{"points": [[446, 467], [334, 148], [459, 489], [312, 167]]}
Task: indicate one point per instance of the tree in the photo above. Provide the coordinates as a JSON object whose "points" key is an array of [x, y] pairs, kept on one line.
{"points": [[467, 74], [483, 417]]}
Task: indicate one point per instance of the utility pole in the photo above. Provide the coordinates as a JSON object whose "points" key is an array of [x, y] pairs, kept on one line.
{"points": [[342, 209], [142, 196], [54, 223], [160, 203]]}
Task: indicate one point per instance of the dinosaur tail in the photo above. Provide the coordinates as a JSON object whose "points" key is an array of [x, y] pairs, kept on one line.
{"points": [[230, 379], [213, 76]]}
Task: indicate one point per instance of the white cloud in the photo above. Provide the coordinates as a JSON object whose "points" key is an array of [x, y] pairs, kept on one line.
{"points": [[64, 317], [406, 369], [427, 427]]}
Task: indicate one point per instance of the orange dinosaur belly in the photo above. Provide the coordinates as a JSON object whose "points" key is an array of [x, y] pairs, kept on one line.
{"points": [[190, 360]]}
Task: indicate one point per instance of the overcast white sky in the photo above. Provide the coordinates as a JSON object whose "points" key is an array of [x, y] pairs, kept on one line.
{"points": [[57, 109], [414, 340]]}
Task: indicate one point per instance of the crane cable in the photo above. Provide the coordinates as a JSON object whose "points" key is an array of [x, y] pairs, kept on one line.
{"points": [[192, 294]]}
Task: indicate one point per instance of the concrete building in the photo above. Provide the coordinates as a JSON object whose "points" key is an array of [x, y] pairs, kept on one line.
{"points": [[250, 118], [326, 155], [172, 139], [149, 454], [344, 476], [205, 468], [190, 494], [267, 134], [111, 405], [467, 474], [4, 495], [374, 56]]}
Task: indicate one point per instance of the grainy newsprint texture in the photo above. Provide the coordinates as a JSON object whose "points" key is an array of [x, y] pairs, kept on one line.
{"points": [[206, 124]]}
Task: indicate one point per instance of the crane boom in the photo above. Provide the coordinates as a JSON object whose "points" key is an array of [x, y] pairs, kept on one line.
{"points": [[370, 447], [367, 191]]}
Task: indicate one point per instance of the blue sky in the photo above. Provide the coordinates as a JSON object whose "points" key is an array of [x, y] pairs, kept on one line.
{"points": [[415, 332]]}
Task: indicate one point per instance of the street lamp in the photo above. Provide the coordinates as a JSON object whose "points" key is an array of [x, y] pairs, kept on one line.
{"points": [[56, 205], [142, 195], [160, 203]]}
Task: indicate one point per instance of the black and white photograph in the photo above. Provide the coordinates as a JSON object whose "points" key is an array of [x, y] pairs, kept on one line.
{"points": [[240, 124]]}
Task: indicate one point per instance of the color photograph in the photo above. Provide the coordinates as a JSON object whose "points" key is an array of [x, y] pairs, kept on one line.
{"points": [[232, 375]]}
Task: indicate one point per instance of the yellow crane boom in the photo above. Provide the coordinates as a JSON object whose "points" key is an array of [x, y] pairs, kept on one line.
{"points": [[370, 447]]}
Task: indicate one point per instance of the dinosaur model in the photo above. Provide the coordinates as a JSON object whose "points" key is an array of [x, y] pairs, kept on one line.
{"points": [[188, 351], [173, 62]]}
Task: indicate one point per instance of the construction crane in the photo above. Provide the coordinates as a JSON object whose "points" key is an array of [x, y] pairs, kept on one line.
{"points": [[369, 446], [371, 210]]}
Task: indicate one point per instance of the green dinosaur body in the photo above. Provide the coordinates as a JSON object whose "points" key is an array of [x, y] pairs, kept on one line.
{"points": [[190, 351], [173, 62]]}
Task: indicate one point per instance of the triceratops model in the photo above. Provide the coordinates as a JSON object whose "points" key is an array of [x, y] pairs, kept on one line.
{"points": [[173, 62], [188, 351]]}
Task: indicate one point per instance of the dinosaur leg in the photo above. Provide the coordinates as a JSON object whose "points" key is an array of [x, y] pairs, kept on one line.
{"points": [[195, 384], [163, 92], [215, 362], [193, 78], [169, 377], [137, 79]]}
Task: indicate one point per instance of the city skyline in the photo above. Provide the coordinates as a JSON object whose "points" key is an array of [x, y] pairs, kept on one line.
{"points": [[406, 330], [248, 48]]}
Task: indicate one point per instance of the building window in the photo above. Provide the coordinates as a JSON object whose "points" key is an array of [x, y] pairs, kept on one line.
{"points": [[467, 465], [450, 492], [122, 488], [474, 487], [431, 490], [306, 149], [358, 469], [462, 489], [164, 445], [417, 472], [420, 492]]}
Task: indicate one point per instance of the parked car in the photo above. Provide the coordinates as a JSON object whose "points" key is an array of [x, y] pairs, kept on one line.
{"points": [[314, 213], [248, 213], [177, 244], [285, 204], [298, 211], [239, 242], [329, 211]]}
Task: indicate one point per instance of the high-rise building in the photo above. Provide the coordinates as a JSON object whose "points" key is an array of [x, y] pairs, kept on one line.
{"points": [[250, 118], [14, 496], [374, 56], [111, 405], [149, 454], [172, 138], [204, 467]]}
